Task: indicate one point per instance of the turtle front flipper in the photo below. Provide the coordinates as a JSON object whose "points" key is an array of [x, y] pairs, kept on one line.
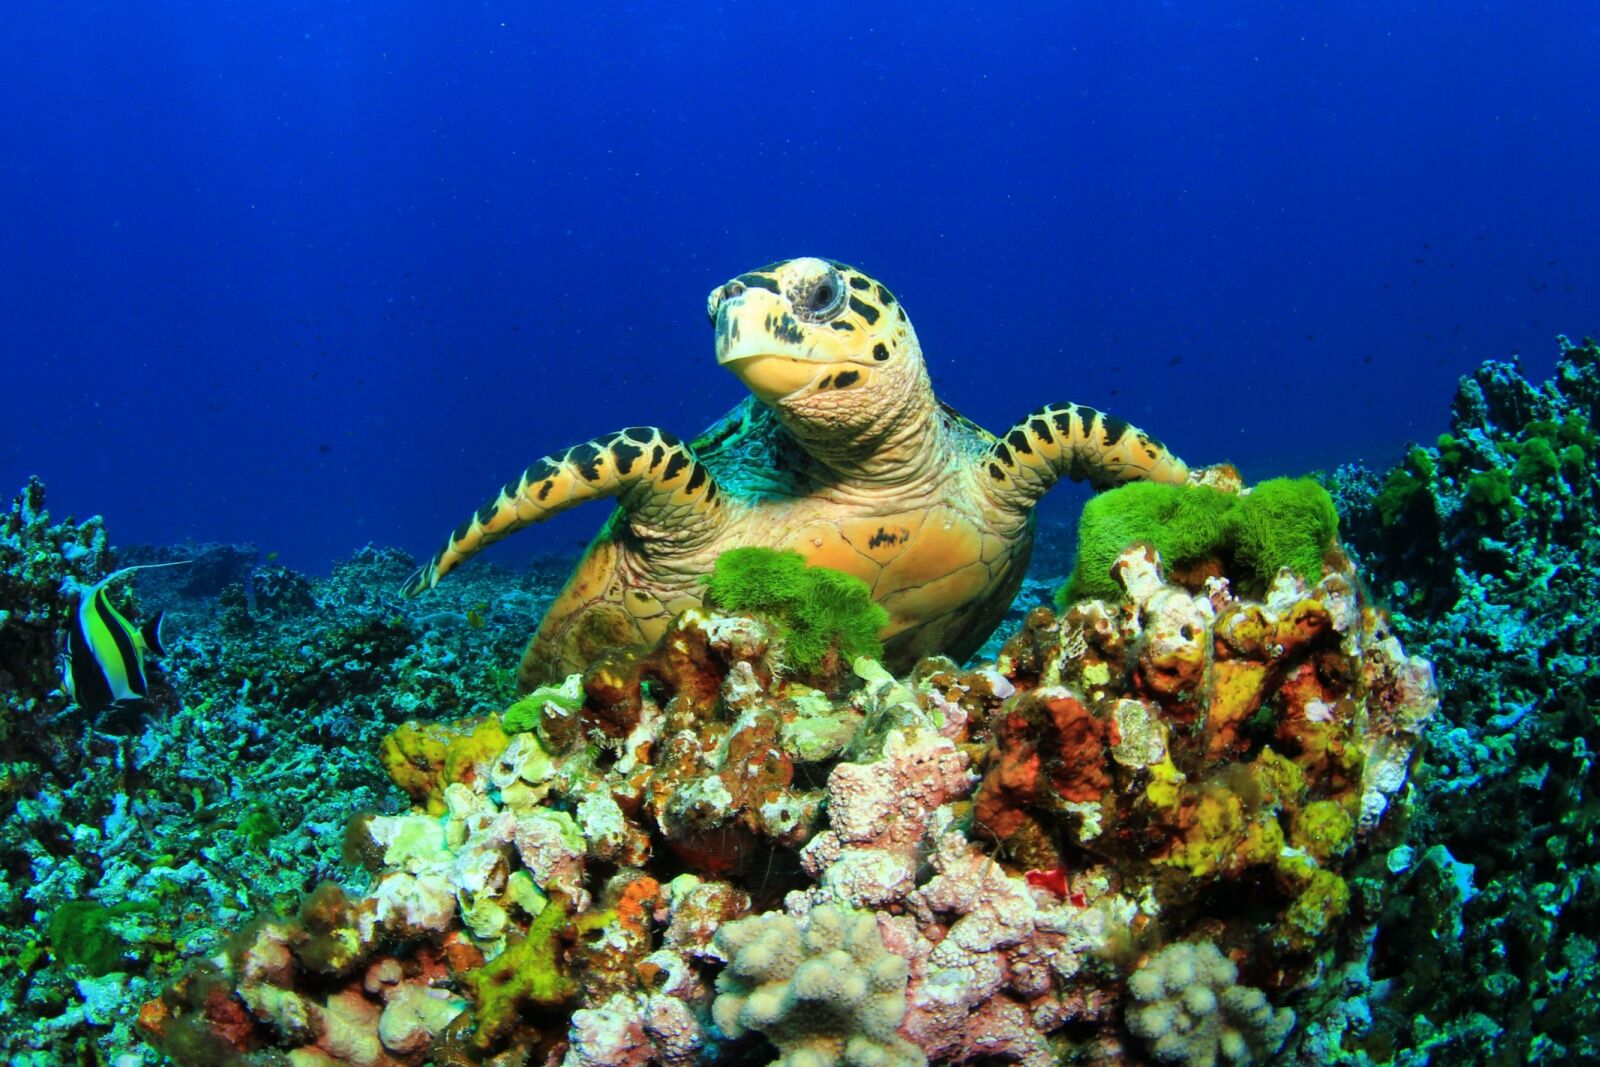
{"points": [[1072, 441], [666, 493]]}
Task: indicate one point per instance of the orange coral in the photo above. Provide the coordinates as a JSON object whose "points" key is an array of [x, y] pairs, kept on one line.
{"points": [[1048, 753]]}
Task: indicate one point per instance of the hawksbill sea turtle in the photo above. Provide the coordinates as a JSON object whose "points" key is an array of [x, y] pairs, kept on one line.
{"points": [[842, 452]]}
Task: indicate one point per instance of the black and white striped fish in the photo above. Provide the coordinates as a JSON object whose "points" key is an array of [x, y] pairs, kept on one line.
{"points": [[104, 663]]}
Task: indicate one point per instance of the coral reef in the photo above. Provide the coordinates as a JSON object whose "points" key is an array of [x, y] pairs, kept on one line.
{"points": [[1485, 544], [1204, 814], [138, 839], [688, 854], [1198, 738], [43, 568]]}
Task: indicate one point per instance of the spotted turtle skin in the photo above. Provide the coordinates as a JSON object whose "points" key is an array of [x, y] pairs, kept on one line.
{"points": [[841, 452]]}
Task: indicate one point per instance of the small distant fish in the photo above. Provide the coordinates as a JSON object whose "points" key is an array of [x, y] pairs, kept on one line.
{"points": [[104, 661]]}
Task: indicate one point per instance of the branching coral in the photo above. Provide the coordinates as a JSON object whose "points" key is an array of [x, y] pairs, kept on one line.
{"points": [[824, 992], [42, 566], [1490, 567], [1191, 1011]]}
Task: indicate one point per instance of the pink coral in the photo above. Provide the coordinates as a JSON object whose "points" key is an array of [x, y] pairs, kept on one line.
{"points": [[879, 813]]}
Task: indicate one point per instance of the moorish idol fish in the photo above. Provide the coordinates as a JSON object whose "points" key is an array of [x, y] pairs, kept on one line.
{"points": [[104, 661]]}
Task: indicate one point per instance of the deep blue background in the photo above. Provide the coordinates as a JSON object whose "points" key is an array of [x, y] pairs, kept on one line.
{"points": [[317, 275]]}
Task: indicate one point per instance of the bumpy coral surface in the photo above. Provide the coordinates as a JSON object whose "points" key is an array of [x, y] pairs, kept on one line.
{"points": [[143, 837], [1194, 738], [688, 854], [824, 991], [1190, 1009], [1199, 765]]}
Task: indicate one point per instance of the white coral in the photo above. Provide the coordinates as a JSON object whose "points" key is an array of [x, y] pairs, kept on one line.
{"points": [[824, 992], [1190, 1009], [634, 1030]]}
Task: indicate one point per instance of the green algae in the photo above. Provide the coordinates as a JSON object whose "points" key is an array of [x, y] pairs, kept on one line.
{"points": [[527, 974], [1282, 522], [82, 933], [527, 713], [818, 610]]}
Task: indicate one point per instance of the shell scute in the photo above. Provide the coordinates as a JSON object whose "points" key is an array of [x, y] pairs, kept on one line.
{"points": [[935, 596], [995, 548], [883, 539], [944, 543], [824, 545]]}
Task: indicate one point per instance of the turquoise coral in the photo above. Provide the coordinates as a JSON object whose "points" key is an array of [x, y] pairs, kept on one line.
{"points": [[1485, 579]]}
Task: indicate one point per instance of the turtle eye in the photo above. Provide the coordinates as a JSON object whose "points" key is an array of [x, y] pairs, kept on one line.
{"points": [[823, 300]]}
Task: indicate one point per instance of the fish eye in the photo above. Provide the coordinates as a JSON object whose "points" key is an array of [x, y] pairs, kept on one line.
{"points": [[823, 300]]}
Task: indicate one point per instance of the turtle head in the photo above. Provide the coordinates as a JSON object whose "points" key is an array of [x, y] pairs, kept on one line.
{"points": [[811, 333]]}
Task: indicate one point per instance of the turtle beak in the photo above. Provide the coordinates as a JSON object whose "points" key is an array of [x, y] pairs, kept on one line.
{"points": [[772, 378], [747, 346]]}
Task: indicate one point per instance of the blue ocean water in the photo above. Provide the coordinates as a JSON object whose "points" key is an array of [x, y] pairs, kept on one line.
{"points": [[314, 275]]}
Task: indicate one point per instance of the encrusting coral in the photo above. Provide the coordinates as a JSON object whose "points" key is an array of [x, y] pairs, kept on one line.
{"points": [[1202, 755], [1201, 738]]}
